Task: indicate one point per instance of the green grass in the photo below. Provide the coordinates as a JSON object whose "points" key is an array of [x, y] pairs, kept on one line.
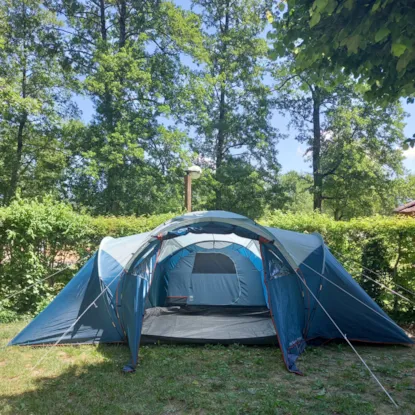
{"points": [[202, 380]]}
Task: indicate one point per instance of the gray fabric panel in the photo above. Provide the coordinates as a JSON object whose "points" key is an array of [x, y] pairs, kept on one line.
{"points": [[209, 326]]}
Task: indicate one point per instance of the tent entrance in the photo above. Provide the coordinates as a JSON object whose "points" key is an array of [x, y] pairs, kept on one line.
{"points": [[208, 289], [214, 325]]}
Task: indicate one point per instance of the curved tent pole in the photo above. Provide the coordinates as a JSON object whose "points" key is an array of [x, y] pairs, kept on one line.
{"points": [[347, 340]]}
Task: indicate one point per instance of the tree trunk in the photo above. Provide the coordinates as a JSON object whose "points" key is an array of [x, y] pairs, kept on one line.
{"points": [[14, 176], [102, 19], [17, 162], [122, 9], [220, 142], [317, 176]]}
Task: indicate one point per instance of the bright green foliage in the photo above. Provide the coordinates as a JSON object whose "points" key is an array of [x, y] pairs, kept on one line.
{"points": [[33, 100], [352, 145], [129, 158], [296, 188], [373, 40], [229, 104], [37, 239]]}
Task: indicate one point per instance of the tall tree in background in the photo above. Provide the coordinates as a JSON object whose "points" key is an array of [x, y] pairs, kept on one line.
{"points": [[349, 140], [229, 102], [372, 40], [32, 151], [129, 53]]}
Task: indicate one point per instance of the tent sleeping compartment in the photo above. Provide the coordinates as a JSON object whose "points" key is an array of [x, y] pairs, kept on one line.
{"points": [[212, 277]]}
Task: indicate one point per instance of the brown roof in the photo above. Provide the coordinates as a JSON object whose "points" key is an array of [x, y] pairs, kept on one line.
{"points": [[407, 209]]}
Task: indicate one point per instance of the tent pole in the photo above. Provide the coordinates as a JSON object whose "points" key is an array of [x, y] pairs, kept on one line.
{"points": [[345, 338]]}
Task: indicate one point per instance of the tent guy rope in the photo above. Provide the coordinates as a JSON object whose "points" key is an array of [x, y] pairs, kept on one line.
{"points": [[76, 321], [42, 279], [351, 295], [347, 340], [374, 273]]}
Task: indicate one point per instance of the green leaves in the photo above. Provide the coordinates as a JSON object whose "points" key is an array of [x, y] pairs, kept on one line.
{"points": [[398, 49], [315, 18], [352, 43], [331, 31], [381, 34]]}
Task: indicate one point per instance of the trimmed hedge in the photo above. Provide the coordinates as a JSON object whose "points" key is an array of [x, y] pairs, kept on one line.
{"points": [[36, 239]]}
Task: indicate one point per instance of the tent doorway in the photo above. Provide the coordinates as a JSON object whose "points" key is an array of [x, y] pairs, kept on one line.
{"points": [[208, 292]]}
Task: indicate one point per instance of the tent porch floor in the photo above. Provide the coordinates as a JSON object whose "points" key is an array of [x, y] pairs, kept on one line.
{"points": [[214, 325]]}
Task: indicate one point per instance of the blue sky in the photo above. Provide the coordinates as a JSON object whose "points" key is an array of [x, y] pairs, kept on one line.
{"points": [[290, 151]]}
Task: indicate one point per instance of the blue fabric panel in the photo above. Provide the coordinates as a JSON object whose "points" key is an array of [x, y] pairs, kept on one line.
{"points": [[353, 318], [313, 280], [214, 289], [287, 308], [96, 326], [134, 287], [110, 268]]}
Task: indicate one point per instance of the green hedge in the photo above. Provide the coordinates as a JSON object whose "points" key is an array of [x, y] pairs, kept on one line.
{"points": [[34, 236], [353, 242]]}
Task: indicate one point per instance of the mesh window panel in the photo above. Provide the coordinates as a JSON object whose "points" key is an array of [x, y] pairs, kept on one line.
{"points": [[213, 264]]}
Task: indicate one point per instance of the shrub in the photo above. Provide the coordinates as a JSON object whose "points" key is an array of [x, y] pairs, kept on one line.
{"points": [[36, 239]]}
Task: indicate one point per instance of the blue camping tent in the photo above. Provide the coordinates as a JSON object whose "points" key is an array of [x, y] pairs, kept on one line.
{"points": [[212, 277]]}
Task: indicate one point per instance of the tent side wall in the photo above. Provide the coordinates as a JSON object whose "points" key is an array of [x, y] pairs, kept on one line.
{"points": [[355, 319], [96, 326]]}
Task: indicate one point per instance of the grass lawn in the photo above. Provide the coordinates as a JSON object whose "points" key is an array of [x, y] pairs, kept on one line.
{"points": [[202, 380]]}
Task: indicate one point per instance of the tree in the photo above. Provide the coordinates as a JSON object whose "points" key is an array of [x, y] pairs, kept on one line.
{"points": [[229, 103], [372, 39], [341, 131], [131, 155], [296, 188], [35, 100]]}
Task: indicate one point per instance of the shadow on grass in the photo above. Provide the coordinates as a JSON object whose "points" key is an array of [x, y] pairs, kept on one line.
{"points": [[187, 380]]}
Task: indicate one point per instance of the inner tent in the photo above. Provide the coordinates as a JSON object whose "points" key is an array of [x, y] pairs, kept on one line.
{"points": [[208, 288]]}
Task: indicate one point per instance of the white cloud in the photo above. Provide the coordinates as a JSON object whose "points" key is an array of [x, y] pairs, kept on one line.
{"points": [[410, 153]]}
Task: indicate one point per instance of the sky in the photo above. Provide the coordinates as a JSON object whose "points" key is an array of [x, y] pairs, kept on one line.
{"points": [[291, 153]]}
